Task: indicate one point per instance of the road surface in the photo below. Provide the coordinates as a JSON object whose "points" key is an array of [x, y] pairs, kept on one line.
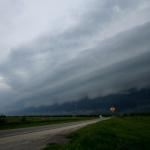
{"points": [[36, 138]]}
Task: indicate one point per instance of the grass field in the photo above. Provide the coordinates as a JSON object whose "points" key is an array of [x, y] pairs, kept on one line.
{"points": [[126, 133], [20, 122]]}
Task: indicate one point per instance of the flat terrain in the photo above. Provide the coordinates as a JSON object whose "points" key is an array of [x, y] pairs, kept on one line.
{"points": [[117, 133], [12, 122], [36, 138]]}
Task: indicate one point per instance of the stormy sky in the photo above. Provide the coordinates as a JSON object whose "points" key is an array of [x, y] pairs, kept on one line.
{"points": [[54, 51]]}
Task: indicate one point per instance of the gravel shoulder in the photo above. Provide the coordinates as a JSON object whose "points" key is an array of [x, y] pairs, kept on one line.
{"points": [[37, 137]]}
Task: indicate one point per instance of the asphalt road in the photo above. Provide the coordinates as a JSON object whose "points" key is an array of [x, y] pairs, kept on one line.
{"points": [[36, 138]]}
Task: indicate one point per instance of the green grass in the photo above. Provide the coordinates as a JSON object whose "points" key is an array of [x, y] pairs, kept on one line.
{"points": [[127, 133], [20, 122]]}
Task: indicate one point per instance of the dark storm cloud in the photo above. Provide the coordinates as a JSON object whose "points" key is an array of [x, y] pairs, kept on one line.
{"points": [[82, 60]]}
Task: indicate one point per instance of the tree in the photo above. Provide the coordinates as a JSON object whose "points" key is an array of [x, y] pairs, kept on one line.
{"points": [[2, 119]]}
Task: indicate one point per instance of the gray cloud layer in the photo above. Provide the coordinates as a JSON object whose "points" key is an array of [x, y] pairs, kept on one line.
{"points": [[105, 52]]}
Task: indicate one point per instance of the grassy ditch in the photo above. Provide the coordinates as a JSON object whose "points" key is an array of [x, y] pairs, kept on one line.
{"points": [[120, 133]]}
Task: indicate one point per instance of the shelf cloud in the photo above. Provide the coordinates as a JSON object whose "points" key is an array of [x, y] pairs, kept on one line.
{"points": [[54, 52]]}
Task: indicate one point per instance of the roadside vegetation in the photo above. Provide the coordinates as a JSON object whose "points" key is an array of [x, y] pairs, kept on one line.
{"points": [[117, 133], [10, 122]]}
